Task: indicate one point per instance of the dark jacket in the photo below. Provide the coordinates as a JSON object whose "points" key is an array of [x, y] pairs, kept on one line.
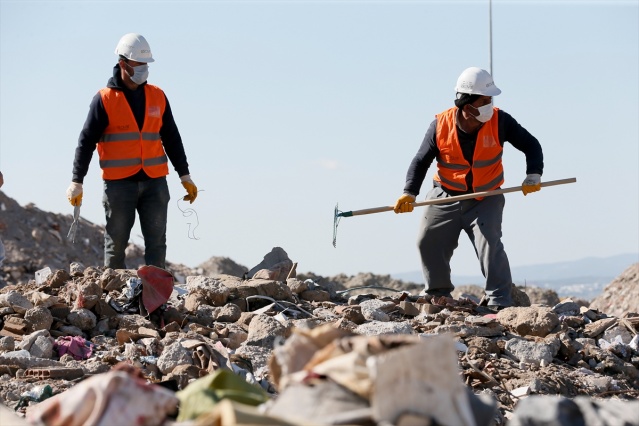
{"points": [[97, 120], [509, 131]]}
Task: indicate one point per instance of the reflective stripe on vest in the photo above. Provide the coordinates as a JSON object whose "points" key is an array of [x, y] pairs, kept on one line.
{"points": [[123, 149], [452, 167]]}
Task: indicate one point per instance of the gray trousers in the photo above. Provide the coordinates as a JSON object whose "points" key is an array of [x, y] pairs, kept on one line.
{"points": [[438, 238]]}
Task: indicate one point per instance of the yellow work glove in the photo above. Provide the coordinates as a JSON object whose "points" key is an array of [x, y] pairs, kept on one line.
{"points": [[404, 204], [74, 194], [190, 187], [532, 183]]}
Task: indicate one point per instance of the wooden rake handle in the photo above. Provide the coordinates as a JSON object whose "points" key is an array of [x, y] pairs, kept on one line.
{"points": [[455, 198]]}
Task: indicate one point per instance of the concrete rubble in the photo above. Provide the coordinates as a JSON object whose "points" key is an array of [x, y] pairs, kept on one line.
{"points": [[269, 345]]}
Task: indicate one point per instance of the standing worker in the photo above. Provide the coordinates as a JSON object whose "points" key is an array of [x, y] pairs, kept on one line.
{"points": [[468, 142], [131, 123]]}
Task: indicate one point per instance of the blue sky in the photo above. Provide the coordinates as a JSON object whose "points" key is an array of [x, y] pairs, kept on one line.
{"points": [[288, 108]]}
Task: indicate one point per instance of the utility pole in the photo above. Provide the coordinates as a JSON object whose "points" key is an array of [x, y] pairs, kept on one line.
{"points": [[490, 35]]}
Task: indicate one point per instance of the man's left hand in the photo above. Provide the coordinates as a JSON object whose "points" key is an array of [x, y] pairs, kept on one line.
{"points": [[532, 183]]}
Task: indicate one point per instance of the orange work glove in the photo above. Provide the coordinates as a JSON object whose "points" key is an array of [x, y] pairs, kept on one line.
{"points": [[190, 187], [532, 183], [404, 204]]}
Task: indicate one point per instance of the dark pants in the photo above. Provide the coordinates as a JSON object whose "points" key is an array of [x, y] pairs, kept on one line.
{"points": [[439, 235], [121, 200]]}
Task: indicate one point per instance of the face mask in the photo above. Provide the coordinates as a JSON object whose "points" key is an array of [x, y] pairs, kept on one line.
{"points": [[485, 112], [140, 74]]}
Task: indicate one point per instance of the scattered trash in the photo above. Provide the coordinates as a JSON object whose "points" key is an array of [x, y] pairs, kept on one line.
{"points": [[42, 275], [37, 394], [306, 350], [76, 346]]}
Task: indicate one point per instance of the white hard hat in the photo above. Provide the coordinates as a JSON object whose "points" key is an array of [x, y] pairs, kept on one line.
{"points": [[134, 47], [476, 81]]}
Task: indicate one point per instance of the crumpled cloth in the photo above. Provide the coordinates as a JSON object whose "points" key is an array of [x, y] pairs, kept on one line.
{"points": [[202, 395], [76, 346], [119, 397]]}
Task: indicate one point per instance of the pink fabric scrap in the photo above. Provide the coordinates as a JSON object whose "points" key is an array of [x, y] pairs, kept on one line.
{"points": [[76, 346], [116, 398]]}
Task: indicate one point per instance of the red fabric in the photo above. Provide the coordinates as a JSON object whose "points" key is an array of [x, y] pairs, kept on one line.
{"points": [[157, 286]]}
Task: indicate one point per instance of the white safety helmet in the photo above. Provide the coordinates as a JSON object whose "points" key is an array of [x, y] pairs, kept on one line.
{"points": [[476, 81], [134, 47]]}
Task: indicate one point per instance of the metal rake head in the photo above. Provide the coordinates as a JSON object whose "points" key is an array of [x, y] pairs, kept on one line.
{"points": [[336, 218]]}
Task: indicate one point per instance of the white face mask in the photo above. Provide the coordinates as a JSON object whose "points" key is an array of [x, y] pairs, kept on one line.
{"points": [[485, 112], [140, 74]]}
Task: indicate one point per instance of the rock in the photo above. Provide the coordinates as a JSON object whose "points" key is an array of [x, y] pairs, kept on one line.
{"points": [[76, 269], [112, 280], [39, 344], [263, 330], [58, 278], [134, 322], [375, 328], [375, 309], [567, 307], [211, 291], [172, 356], [315, 295], [39, 318], [621, 295], [612, 333], [472, 292], [16, 301], [547, 410], [274, 289], [7, 344], [351, 313], [222, 265], [531, 352], [297, 286], [82, 318], [228, 313], [520, 298], [529, 321], [275, 266], [541, 296]]}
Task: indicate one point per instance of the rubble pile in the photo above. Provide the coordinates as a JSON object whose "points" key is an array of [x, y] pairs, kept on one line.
{"points": [[621, 295], [35, 239], [267, 345], [283, 336]]}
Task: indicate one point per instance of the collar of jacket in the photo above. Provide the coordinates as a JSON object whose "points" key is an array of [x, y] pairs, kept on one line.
{"points": [[115, 82]]}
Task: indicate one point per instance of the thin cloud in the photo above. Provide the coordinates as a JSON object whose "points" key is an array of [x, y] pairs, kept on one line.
{"points": [[328, 164]]}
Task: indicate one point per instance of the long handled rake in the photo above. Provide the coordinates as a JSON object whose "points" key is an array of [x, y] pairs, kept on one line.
{"points": [[340, 214]]}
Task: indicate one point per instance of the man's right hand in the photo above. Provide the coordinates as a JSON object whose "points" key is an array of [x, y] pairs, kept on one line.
{"points": [[404, 204], [74, 194]]}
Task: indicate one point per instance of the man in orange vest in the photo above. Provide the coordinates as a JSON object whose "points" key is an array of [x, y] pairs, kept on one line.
{"points": [[131, 124], [467, 141]]}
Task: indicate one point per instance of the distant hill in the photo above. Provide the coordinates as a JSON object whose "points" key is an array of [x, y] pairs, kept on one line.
{"points": [[584, 278]]}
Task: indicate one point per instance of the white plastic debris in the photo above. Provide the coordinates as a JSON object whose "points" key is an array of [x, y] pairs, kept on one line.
{"points": [[519, 392], [42, 275]]}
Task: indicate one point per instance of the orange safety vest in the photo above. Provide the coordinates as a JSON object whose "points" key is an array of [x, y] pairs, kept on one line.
{"points": [[452, 167], [123, 148]]}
